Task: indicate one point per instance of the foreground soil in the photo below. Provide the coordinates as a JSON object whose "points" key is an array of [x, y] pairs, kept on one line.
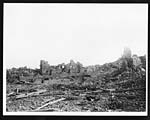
{"points": [[74, 97]]}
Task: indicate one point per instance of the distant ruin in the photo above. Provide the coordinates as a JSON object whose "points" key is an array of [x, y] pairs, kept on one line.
{"points": [[71, 67], [116, 86], [127, 53], [47, 71], [44, 67]]}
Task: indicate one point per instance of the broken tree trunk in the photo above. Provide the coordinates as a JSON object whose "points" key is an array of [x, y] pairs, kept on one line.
{"points": [[50, 103], [30, 94], [48, 100], [131, 89], [10, 94], [46, 110]]}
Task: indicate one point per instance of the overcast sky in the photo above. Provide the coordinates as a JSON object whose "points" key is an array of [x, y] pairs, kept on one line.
{"points": [[88, 33]]}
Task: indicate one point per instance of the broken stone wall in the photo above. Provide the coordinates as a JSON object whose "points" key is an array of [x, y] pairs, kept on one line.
{"points": [[136, 61], [44, 67]]}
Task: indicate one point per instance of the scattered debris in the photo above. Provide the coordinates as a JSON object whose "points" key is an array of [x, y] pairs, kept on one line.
{"points": [[30, 94], [49, 103], [117, 86]]}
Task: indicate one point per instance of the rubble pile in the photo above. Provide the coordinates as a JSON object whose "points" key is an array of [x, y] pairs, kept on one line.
{"points": [[115, 86], [129, 89]]}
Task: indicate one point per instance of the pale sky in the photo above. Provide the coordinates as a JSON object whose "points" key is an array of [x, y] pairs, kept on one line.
{"points": [[88, 33]]}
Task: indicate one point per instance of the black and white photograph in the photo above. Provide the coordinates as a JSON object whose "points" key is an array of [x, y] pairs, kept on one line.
{"points": [[75, 59]]}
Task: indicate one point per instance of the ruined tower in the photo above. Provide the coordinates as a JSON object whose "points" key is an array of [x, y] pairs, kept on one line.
{"points": [[44, 67], [127, 53]]}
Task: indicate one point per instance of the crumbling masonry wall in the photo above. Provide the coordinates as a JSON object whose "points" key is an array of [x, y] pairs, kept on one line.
{"points": [[44, 67]]}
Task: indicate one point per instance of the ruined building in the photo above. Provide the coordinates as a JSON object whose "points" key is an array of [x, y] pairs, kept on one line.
{"points": [[44, 67], [136, 61], [69, 68], [127, 53]]}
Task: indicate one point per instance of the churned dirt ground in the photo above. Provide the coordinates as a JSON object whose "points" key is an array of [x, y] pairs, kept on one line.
{"points": [[124, 94]]}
